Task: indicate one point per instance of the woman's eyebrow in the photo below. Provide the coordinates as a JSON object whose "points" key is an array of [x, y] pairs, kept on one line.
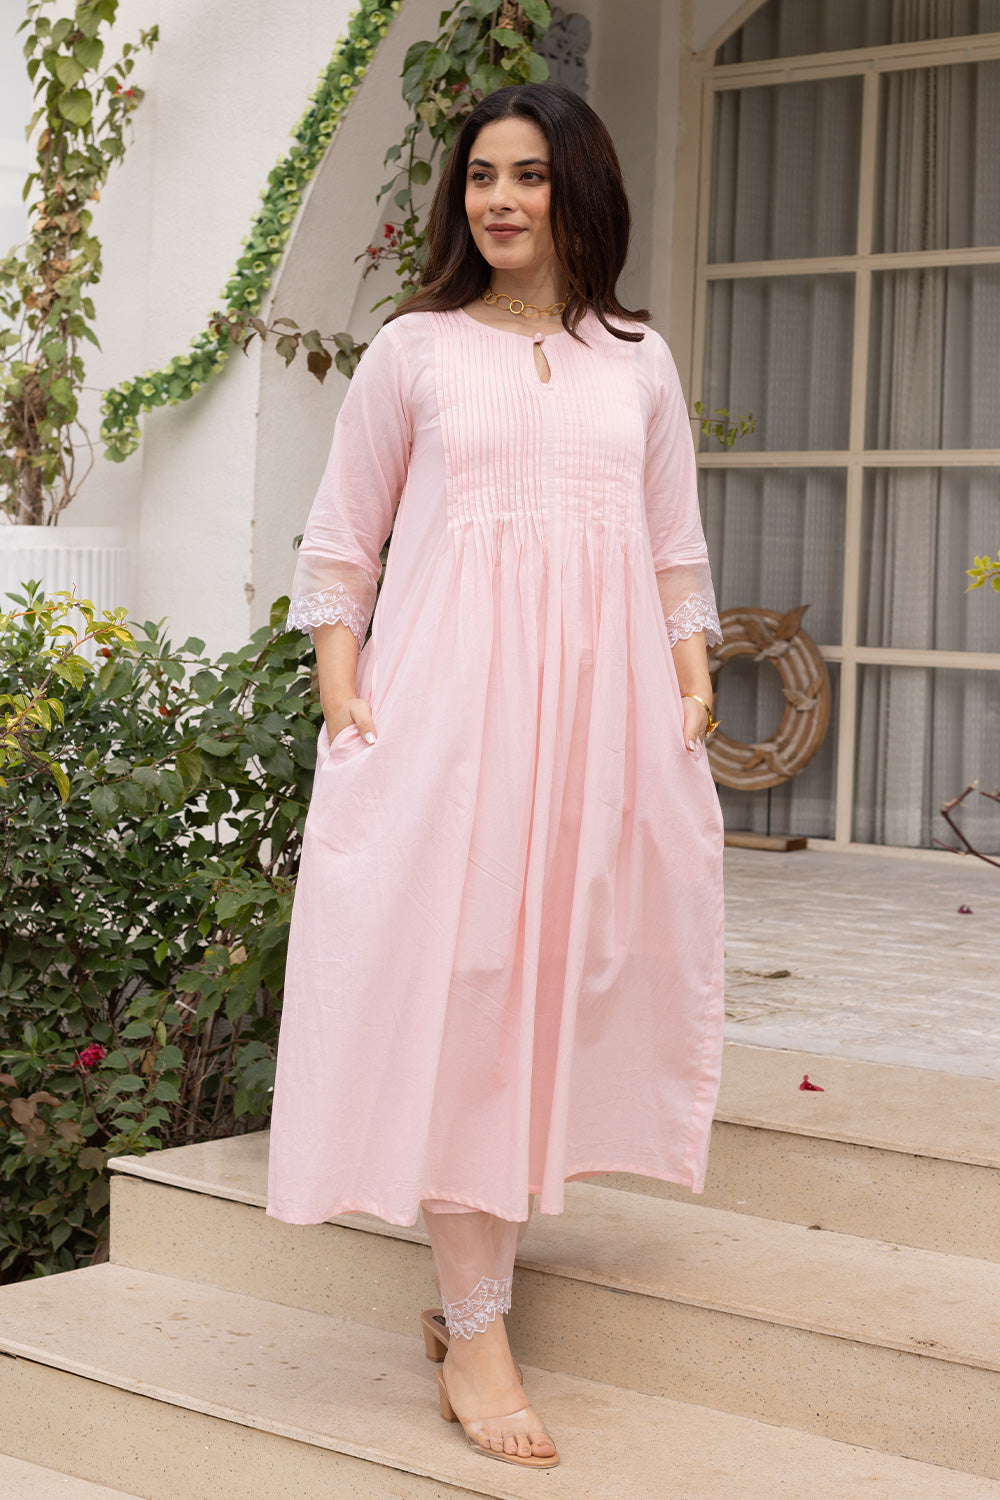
{"points": [[527, 161]]}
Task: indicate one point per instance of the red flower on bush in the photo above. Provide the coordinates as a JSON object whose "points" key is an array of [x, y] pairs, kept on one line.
{"points": [[90, 1057]]}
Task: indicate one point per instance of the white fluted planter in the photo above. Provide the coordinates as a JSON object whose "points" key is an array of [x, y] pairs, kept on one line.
{"points": [[92, 561]]}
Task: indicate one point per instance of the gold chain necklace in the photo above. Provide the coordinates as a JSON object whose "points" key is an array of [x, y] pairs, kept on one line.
{"points": [[518, 308]]}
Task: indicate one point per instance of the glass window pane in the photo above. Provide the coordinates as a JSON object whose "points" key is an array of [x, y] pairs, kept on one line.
{"points": [[776, 540], [939, 144], [934, 363], [785, 171], [922, 529], [751, 705], [923, 735], [789, 28], [781, 348]]}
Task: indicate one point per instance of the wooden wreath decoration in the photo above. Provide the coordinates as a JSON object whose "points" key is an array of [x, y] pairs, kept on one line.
{"points": [[767, 635]]}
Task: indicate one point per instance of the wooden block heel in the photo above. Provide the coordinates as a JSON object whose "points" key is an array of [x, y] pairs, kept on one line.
{"points": [[435, 1334], [447, 1410]]}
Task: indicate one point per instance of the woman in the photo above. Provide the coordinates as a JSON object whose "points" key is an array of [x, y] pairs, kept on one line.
{"points": [[505, 964]]}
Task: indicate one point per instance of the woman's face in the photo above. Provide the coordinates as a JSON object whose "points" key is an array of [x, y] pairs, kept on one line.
{"points": [[508, 188]]}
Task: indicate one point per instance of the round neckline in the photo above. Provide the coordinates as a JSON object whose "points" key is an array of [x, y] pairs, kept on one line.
{"points": [[512, 332]]}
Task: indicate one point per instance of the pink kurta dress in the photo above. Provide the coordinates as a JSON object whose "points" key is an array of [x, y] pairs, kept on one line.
{"points": [[506, 952]]}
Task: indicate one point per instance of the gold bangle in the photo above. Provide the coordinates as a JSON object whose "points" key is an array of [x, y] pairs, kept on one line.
{"points": [[713, 724]]}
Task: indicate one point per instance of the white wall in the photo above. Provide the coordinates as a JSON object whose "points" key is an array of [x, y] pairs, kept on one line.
{"points": [[225, 85], [16, 109]]}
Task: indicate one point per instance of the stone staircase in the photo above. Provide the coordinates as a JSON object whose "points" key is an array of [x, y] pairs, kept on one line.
{"points": [[825, 1322]]}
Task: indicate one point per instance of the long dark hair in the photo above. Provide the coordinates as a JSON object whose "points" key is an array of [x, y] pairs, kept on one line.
{"points": [[591, 220]]}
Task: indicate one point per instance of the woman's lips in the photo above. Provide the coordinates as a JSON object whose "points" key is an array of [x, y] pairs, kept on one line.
{"points": [[503, 231]]}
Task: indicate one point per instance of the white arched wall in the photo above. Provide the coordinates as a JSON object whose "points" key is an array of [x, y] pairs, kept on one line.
{"points": [[226, 85]]}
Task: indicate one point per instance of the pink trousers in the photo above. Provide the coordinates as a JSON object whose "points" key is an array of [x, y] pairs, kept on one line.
{"points": [[474, 1259]]}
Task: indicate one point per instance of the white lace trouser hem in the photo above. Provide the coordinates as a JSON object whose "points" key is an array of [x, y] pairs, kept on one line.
{"points": [[474, 1259], [474, 1314]]}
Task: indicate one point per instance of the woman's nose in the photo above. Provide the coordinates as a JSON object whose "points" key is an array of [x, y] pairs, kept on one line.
{"points": [[500, 196]]}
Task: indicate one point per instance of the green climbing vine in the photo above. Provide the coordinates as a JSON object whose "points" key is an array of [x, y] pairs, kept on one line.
{"points": [[482, 45], [263, 247]]}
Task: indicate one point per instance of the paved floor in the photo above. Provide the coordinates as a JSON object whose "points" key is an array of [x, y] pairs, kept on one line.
{"points": [[865, 956]]}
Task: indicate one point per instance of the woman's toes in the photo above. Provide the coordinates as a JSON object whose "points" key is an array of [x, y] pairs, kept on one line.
{"points": [[542, 1446]]}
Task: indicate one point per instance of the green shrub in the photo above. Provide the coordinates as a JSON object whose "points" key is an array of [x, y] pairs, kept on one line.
{"points": [[145, 917]]}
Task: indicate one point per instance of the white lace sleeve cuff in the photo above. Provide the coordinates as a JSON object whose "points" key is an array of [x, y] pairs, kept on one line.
{"points": [[696, 613], [327, 607]]}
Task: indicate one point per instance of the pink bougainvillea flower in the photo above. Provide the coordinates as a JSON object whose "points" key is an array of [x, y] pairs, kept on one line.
{"points": [[965, 911], [811, 1088], [90, 1057]]}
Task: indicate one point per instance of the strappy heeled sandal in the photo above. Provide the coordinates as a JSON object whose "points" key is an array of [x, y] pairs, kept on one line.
{"points": [[437, 1337], [450, 1415]]}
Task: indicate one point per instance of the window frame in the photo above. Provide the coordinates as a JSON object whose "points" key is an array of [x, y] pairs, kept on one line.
{"points": [[692, 274]]}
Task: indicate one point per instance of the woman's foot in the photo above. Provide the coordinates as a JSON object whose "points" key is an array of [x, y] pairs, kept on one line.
{"points": [[480, 1380]]}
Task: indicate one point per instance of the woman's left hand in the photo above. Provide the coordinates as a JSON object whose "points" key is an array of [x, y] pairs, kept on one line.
{"points": [[695, 724]]}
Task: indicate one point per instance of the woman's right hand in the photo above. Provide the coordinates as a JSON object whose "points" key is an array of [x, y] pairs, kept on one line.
{"points": [[350, 711]]}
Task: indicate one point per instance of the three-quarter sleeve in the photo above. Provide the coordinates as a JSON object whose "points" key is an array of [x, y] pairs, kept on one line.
{"points": [[680, 554], [339, 564]]}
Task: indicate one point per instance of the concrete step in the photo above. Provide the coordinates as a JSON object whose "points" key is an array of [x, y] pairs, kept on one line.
{"points": [[861, 1341], [22, 1481], [901, 1154], [178, 1391]]}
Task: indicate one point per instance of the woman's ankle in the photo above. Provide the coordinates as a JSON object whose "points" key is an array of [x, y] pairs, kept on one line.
{"points": [[488, 1346]]}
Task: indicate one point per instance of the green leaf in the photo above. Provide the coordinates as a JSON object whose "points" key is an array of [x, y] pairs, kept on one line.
{"points": [[436, 63], [105, 803], [171, 788], [127, 1083], [537, 11], [71, 670], [415, 54], [89, 51], [76, 107], [420, 173], [218, 748], [60, 1234], [204, 685], [61, 780], [91, 1159], [133, 796], [69, 72], [189, 767], [538, 68]]}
